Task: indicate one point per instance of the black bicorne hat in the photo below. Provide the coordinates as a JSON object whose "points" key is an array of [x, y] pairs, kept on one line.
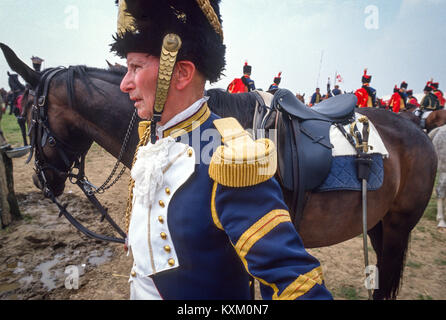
{"points": [[428, 86], [403, 85], [197, 22], [409, 92], [435, 85], [396, 89], [247, 68]]}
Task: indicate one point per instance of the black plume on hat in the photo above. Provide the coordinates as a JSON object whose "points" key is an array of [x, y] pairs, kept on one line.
{"points": [[153, 19]]}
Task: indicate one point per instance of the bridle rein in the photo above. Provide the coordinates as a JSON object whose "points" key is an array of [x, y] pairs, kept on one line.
{"points": [[40, 135]]}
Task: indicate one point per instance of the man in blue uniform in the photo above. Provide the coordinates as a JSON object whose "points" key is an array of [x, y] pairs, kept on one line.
{"points": [[403, 93], [204, 214]]}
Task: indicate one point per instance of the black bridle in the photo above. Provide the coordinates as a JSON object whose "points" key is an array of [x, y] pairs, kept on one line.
{"points": [[40, 135]]}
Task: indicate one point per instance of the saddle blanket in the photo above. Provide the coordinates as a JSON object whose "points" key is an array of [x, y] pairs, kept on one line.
{"points": [[343, 175], [343, 171], [343, 148]]}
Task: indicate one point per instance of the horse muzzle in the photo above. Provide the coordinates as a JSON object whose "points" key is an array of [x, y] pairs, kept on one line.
{"points": [[56, 190]]}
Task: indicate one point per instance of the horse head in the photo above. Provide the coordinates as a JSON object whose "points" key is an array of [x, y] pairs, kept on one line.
{"points": [[56, 140]]}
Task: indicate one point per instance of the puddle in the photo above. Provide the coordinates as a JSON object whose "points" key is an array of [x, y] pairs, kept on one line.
{"points": [[47, 278], [25, 281], [96, 260], [19, 268]]}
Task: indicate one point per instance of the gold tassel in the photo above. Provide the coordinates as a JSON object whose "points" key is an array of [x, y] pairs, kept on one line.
{"points": [[144, 134]]}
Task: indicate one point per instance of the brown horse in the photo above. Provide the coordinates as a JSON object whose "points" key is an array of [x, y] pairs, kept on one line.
{"points": [[85, 105], [434, 120]]}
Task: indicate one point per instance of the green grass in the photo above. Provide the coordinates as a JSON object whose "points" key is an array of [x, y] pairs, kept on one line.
{"points": [[349, 293], [440, 262], [11, 129], [412, 264]]}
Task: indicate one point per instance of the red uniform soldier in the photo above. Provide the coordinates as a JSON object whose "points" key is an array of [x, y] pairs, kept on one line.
{"points": [[439, 94], [366, 95]]}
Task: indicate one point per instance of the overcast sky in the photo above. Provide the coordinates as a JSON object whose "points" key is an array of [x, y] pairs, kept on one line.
{"points": [[308, 40]]}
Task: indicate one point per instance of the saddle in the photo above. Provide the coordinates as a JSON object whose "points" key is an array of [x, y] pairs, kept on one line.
{"points": [[303, 141]]}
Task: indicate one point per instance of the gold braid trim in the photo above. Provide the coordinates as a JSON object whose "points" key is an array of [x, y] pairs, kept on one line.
{"points": [[210, 14], [242, 162], [144, 134]]}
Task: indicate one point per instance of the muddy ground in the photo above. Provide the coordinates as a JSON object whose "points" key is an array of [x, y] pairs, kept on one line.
{"points": [[40, 254]]}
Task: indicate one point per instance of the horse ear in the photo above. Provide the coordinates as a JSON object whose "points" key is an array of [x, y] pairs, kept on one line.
{"points": [[29, 75]]}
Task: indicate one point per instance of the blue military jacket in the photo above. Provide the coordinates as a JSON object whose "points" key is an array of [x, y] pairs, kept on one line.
{"points": [[222, 236]]}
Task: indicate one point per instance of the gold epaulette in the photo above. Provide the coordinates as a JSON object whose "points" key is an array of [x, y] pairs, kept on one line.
{"points": [[241, 162]]}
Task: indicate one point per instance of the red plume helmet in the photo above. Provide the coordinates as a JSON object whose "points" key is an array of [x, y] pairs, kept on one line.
{"points": [[366, 78], [247, 68], [278, 78]]}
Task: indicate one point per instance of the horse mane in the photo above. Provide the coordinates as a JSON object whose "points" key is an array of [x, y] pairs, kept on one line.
{"points": [[85, 75], [239, 105]]}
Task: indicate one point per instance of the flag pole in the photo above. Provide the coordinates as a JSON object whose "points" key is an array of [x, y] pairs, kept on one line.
{"points": [[320, 67]]}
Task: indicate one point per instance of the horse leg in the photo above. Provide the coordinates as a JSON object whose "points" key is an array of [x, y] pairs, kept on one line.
{"points": [[440, 192], [439, 208], [391, 258], [376, 238], [440, 213]]}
